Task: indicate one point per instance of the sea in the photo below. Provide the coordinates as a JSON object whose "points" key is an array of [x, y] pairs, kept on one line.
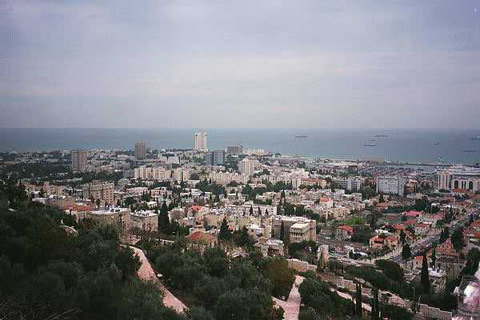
{"points": [[395, 145]]}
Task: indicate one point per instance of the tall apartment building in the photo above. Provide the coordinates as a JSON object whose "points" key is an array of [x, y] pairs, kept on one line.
{"points": [[79, 160], [215, 158], [140, 150], [350, 184], [201, 142], [100, 190], [247, 166], [390, 185], [296, 229]]}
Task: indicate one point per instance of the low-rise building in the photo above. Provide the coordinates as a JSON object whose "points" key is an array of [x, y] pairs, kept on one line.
{"points": [[343, 232], [296, 229], [118, 217], [146, 220], [270, 247]]}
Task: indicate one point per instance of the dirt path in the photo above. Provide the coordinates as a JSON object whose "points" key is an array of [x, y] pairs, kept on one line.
{"points": [[147, 273], [292, 305]]}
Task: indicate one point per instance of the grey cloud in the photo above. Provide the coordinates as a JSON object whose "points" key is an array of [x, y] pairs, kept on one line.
{"points": [[240, 64]]}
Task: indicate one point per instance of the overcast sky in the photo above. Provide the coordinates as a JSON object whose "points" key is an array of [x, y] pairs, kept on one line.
{"points": [[240, 64]]}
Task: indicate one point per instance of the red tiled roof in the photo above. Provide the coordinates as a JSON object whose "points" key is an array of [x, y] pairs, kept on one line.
{"points": [[196, 208], [78, 207], [422, 225], [346, 228], [413, 213], [200, 236]]}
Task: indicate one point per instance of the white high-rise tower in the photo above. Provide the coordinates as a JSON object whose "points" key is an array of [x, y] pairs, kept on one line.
{"points": [[201, 141]]}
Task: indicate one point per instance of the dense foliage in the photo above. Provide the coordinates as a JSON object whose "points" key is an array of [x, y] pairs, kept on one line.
{"points": [[224, 288], [319, 301], [47, 273], [381, 280]]}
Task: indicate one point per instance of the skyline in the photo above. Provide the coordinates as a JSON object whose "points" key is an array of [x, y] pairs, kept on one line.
{"points": [[334, 64]]}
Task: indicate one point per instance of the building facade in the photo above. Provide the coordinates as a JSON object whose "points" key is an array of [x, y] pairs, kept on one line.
{"points": [[350, 184], [235, 149], [98, 190], [247, 166], [118, 217], [390, 185], [150, 173], [465, 178], [201, 142], [140, 150], [145, 220], [296, 229], [215, 158], [79, 160]]}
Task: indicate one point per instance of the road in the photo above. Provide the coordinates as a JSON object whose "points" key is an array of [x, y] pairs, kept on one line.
{"points": [[147, 273], [292, 305]]}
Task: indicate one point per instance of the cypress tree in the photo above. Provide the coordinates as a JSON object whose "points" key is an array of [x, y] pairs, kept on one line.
{"points": [[282, 232], [403, 236], [358, 300], [163, 219], [424, 279], [434, 257]]}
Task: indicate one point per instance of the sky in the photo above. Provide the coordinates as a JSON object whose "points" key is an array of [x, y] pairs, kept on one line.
{"points": [[240, 64]]}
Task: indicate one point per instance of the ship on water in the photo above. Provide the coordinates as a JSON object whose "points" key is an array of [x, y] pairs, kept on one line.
{"points": [[381, 135], [300, 136], [476, 138], [369, 143]]}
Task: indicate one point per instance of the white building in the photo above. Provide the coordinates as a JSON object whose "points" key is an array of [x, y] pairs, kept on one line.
{"points": [[350, 184], [247, 166], [149, 173], [390, 185], [224, 178], [146, 220], [201, 142], [460, 177]]}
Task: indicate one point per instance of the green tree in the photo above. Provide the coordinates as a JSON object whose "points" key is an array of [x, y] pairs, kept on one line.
{"points": [[163, 219], [216, 262], [458, 241], [242, 239], [406, 252], [473, 258], [424, 278], [444, 235], [391, 269], [280, 275], [434, 257], [282, 231], [358, 300], [224, 233], [375, 313], [127, 262], [403, 237]]}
